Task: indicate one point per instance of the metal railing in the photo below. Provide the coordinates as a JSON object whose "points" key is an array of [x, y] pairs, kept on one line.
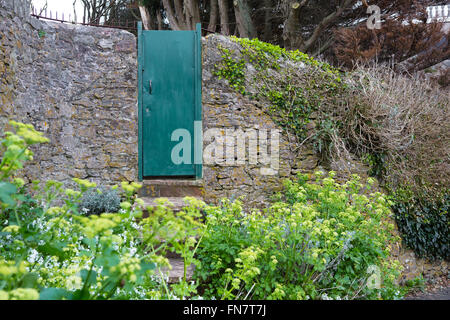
{"points": [[45, 14], [439, 13]]}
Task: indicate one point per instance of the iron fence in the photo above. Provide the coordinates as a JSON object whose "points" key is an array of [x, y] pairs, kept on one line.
{"points": [[45, 14]]}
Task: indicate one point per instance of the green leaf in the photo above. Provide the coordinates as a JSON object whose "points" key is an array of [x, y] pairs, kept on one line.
{"points": [[92, 243], [92, 276], [30, 280], [21, 197], [6, 190], [111, 283], [86, 253], [146, 266], [107, 261], [55, 294], [54, 249]]}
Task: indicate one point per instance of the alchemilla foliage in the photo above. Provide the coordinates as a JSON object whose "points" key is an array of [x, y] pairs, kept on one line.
{"points": [[319, 240], [358, 113], [51, 250]]}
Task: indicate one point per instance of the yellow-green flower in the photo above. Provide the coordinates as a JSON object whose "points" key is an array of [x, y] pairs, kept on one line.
{"points": [[55, 210], [139, 201], [96, 225], [19, 182], [27, 131], [4, 295], [24, 294], [235, 283], [85, 183], [11, 229], [7, 269], [127, 187], [73, 282], [72, 193], [125, 205], [136, 185]]}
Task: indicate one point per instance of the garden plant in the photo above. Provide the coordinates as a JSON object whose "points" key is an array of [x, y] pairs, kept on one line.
{"points": [[320, 239]]}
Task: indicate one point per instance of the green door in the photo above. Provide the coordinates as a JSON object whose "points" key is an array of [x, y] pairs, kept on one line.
{"points": [[169, 102]]}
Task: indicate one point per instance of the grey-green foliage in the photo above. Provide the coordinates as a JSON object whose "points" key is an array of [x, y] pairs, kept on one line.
{"points": [[100, 200]]}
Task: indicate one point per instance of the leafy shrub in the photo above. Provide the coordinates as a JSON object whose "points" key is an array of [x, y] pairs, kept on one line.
{"points": [[321, 240], [53, 251], [396, 124], [101, 200], [424, 223], [399, 126]]}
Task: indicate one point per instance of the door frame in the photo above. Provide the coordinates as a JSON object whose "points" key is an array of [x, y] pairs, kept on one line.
{"points": [[198, 168]]}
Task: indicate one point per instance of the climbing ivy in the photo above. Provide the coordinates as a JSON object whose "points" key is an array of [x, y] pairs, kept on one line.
{"points": [[423, 221], [292, 96], [232, 70]]}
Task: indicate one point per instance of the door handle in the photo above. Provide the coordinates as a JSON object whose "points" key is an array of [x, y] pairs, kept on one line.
{"points": [[150, 86]]}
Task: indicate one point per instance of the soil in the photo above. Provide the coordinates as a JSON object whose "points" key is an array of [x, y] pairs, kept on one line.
{"points": [[435, 289]]}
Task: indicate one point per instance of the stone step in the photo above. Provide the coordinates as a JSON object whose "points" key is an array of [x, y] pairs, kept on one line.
{"points": [[178, 202], [177, 272], [174, 190], [171, 188], [173, 182]]}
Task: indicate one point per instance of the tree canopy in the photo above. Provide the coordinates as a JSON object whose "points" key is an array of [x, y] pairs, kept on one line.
{"points": [[336, 29]]}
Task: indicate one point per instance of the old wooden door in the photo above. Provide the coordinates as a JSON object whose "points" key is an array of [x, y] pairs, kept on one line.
{"points": [[169, 100]]}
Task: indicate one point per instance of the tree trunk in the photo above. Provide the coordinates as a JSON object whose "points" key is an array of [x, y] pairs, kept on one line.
{"points": [[214, 10], [323, 24], [110, 13], [180, 14], [171, 15], [267, 20], [224, 22], [192, 13], [291, 34], [145, 16], [159, 19], [74, 10], [244, 21]]}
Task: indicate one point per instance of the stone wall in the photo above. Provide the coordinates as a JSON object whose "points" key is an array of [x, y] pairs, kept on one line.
{"points": [[225, 109], [78, 85]]}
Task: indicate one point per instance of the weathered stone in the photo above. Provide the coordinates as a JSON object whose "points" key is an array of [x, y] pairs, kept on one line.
{"points": [[227, 111], [55, 76], [79, 85], [106, 44], [126, 46], [310, 163]]}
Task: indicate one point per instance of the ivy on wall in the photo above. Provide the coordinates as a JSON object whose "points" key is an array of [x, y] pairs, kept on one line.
{"points": [[294, 95]]}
